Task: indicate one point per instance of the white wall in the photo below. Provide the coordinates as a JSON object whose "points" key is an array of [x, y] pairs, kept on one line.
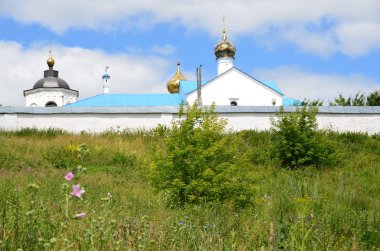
{"points": [[102, 119], [39, 97], [338, 122], [83, 122], [236, 86]]}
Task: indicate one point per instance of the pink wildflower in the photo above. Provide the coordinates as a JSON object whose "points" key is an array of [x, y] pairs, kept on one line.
{"points": [[80, 215], [77, 192], [69, 176]]}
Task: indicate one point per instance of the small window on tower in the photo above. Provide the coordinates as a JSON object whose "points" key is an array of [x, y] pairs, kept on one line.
{"points": [[233, 103]]}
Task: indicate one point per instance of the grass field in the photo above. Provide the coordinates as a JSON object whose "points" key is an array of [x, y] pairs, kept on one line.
{"points": [[333, 208]]}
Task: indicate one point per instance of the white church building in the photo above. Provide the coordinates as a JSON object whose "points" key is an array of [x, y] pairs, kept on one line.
{"points": [[231, 87], [234, 87]]}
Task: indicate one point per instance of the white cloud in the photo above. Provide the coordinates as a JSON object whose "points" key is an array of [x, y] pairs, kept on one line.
{"points": [[300, 84], [357, 38], [353, 25], [321, 43], [81, 69]]}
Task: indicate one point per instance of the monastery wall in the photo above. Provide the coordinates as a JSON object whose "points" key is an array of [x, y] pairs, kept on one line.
{"points": [[99, 119]]}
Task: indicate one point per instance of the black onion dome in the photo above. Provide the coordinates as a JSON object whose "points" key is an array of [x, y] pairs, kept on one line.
{"points": [[51, 79], [51, 82]]}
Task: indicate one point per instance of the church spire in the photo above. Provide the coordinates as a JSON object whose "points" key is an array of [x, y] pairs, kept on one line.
{"points": [[106, 84], [224, 52]]}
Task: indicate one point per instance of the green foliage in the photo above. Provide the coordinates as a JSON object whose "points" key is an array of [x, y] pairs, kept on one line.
{"points": [[255, 145], [373, 99], [64, 157], [123, 160], [341, 101], [199, 162], [311, 102], [297, 142], [358, 100]]}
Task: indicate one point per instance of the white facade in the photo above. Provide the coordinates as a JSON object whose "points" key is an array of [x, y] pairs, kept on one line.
{"points": [[49, 96], [236, 88]]}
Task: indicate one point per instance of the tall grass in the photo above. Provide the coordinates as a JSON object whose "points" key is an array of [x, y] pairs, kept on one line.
{"points": [[334, 208]]}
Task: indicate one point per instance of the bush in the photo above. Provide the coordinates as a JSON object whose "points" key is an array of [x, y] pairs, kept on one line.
{"points": [[296, 140], [198, 163]]}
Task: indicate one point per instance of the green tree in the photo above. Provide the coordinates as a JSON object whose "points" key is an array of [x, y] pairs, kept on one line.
{"points": [[358, 100], [312, 102], [198, 162], [373, 99], [296, 140], [341, 101]]}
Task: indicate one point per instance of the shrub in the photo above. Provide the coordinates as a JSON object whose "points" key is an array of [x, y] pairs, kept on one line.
{"points": [[296, 140], [198, 163]]}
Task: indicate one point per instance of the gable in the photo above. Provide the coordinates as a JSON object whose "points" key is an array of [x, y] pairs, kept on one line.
{"points": [[241, 76]]}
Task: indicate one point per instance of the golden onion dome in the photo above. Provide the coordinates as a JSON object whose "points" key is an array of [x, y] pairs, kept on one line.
{"points": [[173, 83], [224, 49], [50, 61]]}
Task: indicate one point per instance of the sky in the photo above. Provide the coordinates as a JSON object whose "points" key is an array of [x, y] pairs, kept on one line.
{"points": [[311, 49]]}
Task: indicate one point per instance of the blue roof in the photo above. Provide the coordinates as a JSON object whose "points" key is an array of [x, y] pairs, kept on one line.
{"points": [[290, 101], [271, 84], [106, 100], [187, 86]]}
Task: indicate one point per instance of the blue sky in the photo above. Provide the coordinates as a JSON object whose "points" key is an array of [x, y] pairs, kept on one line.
{"points": [[311, 50]]}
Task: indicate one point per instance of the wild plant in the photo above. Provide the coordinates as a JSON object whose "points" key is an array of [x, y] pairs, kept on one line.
{"points": [[297, 141], [198, 162]]}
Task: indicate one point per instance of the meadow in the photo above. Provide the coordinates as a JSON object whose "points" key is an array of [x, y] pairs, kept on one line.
{"points": [[336, 207]]}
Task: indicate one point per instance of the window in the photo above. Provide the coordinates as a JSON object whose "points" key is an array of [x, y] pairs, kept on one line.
{"points": [[233, 103], [33, 105], [51, 104]]}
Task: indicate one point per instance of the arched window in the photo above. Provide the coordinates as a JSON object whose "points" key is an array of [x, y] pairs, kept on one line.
{"points": [[33, 105], [233, 103], [51, 104]]}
